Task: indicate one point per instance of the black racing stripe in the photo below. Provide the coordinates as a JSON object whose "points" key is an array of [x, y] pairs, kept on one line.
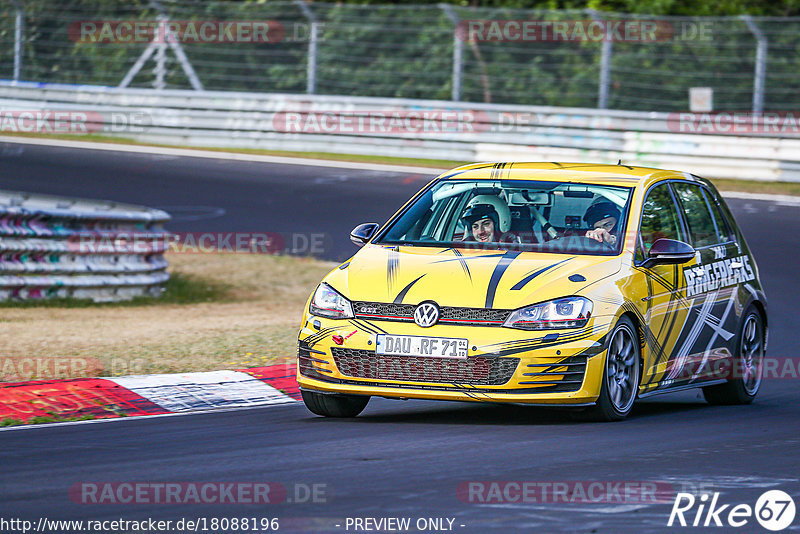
{"points": [[646, 327], [462, 171], [391, 266], [562, 337], [463, 263], [496, 170], [400, 296], [315, 338], [674, 305], [461, 258], [673, 318], [671, 313], [649, 338], [367, 326], [524, 345], [497, 274], [311, 338], [673, 288], [588, 352], [363, 326], [660, 279], [519, 285], [322, 334], [503, 171], [536, 346], [374, 326]]}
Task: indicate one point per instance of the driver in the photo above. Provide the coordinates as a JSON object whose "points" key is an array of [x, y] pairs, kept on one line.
{"points": [[483, 222], [602, 217]]}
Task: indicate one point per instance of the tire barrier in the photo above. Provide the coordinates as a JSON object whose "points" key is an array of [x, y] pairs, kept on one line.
{"points": [[55, 247]]}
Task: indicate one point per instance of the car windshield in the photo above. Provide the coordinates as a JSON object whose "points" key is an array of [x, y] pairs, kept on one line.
{"points": [[553, 217]]}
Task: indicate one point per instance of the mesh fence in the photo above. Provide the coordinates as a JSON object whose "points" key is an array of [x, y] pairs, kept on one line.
{"points": [[554, 58]]}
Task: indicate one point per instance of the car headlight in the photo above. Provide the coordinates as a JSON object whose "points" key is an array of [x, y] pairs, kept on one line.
{"points": [[567, 312], [327, 302]]}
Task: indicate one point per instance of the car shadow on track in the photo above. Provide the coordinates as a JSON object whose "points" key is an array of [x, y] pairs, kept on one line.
{"points": [[490, 414]]}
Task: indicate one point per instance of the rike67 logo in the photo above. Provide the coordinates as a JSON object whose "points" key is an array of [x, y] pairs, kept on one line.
{"points": [[774, 510]]}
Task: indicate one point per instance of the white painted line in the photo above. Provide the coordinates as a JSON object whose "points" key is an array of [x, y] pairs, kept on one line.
{"points": [[199, 391], [199, 153]]}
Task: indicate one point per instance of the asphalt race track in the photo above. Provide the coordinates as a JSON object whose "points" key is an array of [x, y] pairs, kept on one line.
{"points": [[399, 459]]}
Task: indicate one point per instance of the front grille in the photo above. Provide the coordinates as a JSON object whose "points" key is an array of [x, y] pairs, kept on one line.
{"points": [[560, 376], [447, 314], [479, 370]]}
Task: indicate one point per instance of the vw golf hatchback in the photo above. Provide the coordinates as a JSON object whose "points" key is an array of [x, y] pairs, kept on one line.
{"points": [[540, 283]]}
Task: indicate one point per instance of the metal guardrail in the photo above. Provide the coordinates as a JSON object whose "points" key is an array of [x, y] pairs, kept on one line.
{"points": [[65, 247], [479, 132]]}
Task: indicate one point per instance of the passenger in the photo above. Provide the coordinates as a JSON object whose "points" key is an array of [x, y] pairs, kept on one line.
{"points": [[482, 223], [603, 217]]}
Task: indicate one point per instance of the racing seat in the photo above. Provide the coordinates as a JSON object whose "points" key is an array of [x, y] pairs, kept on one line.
{"points": [[524, 225]]}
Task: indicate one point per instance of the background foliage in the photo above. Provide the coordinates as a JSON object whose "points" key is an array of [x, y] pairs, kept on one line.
{"points": [[406, 50]]}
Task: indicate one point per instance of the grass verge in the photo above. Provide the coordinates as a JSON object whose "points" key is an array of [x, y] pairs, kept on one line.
{"points": [[40, 419]]}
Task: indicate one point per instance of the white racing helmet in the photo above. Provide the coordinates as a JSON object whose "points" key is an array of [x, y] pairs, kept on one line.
{"points": [[499, 206]]}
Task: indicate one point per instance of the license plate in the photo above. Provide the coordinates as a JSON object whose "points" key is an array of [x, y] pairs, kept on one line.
{"points": [[435, 347]]}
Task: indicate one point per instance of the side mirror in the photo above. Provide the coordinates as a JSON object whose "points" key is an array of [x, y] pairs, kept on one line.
{"points": [[668, 252], [363, 233]]}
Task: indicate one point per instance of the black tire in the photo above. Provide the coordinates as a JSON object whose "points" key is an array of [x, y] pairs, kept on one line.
{"points": [[334, 405], [617, 398], [748, 365]]}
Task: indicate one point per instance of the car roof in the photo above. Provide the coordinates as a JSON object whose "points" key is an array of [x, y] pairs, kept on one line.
{"points": [[622, 175]]}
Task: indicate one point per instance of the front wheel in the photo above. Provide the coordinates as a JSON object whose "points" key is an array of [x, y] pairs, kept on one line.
{"points": [[334, 405], [621, 374], [748, 366]]}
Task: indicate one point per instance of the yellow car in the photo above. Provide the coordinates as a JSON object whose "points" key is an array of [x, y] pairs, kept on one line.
{"points": [[543, 284]]}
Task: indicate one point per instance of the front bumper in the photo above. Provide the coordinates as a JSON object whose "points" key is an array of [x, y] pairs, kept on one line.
{"points": [[503, 364]]}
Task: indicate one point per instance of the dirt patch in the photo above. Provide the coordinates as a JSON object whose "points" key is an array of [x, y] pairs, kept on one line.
{"points": [[248, 315]]}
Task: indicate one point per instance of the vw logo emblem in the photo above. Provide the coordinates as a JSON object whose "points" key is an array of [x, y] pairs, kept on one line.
{"points": [[426, 314]]}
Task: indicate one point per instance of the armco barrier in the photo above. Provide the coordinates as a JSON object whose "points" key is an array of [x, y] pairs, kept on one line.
{"points": [[64, 247], [490, 131]]}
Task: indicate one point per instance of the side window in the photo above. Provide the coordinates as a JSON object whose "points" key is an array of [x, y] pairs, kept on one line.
{"points": [[723, 228], [659, 218], [432, 228], [702, 230]]}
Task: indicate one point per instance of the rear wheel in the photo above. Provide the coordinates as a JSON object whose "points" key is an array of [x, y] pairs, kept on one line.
{"points": [[747, 368], [621, 374], [334, 405]]}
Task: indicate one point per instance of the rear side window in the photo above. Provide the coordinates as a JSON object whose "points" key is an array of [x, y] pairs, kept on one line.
{"points": [[702, 229], [723, 228], [659, 218]]}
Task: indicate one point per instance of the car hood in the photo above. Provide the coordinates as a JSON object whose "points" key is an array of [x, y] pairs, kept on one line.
{"points": [[466, 278]]}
